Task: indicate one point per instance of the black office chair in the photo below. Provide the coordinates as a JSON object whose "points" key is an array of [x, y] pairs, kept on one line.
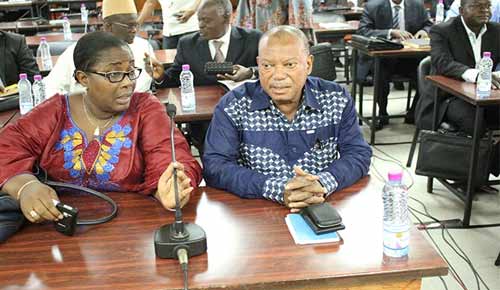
{"points": [[424, 69], [323, 65]]}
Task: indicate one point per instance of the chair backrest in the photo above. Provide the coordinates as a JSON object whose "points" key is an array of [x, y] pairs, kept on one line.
{"points": [[58, 47], [323, 64], [426, 91]]}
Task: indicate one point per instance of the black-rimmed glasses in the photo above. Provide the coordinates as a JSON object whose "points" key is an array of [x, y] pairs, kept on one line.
{"points": [[118, 76], [130, 27]]}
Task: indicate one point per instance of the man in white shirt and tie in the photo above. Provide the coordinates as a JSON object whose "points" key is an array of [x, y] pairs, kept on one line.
{"points": [[397, 20], [216, 41]]}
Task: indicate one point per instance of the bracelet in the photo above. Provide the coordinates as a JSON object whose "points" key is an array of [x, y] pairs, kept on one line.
{"points": [[20, 191]]}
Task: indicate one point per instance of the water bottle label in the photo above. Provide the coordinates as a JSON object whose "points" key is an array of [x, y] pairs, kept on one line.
{"points": [[396, 241]]}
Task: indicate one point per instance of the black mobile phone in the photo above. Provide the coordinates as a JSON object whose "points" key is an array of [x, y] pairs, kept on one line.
{"points": [[322, 218], [67, 224], [218, 68]]}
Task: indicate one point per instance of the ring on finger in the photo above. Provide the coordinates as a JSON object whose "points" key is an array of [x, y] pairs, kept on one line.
{"points": [[33, 214]]}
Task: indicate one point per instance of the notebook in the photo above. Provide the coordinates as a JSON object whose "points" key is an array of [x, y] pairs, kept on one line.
{"points": [[418, 43], [302, 234]]}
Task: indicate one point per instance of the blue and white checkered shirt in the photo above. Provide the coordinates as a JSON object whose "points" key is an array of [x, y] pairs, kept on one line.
{"points": [[251, 147]]}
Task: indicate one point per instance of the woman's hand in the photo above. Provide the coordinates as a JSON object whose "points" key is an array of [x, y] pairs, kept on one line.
{"points": [[37, 205], [166, 193]]}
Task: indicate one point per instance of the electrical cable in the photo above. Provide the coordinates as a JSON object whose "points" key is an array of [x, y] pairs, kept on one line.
{"points": [[182, 256]]}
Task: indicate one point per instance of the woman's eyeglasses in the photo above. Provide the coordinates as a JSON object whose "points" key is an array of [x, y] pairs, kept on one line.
{"points": [[118, 76]]}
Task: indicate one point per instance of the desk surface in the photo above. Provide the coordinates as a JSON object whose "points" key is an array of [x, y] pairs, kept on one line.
{"points": [[464, 90], [165, 56], [34, 41], [6, 117], [206, 99], [249, 247], [404, 52]]}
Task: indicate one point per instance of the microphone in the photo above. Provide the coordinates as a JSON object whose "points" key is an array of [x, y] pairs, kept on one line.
{"points": [[178, 240]]}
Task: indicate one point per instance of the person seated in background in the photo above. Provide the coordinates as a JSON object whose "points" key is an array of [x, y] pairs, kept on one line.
{"points": [[16, 58], [120, 18], [289, 138], [107, 138], [454, 10], [398, 20], [456, 47], [216, 41]]}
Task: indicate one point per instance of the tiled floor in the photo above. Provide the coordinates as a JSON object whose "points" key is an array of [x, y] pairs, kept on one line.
{"points": [[482, 246]]}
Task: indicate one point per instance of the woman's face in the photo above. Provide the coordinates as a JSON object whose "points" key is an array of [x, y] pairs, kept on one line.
{"points": [[107, 96]]}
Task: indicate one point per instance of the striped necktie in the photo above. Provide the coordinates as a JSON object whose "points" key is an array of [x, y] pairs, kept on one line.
{"points": [[219, 57], [395, 17]]}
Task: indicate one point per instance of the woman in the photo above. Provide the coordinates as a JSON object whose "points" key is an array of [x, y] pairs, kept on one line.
{"points": [[108, 139]]}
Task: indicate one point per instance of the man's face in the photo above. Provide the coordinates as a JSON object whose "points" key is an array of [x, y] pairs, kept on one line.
{"points": [[284, 65], [212, 25], [123, 26], [476, 12]]}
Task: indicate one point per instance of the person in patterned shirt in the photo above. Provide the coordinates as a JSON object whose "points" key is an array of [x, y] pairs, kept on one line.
{"points": [[288, 137]]}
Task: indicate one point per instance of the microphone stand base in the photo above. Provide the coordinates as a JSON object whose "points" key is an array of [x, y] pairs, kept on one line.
{"points": [[166, 245]]}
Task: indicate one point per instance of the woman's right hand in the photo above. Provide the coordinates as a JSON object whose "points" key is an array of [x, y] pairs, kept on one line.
{"points": [[37, 205]]}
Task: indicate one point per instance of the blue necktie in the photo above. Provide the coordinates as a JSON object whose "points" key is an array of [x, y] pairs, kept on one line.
{"points": [[395, 17]]}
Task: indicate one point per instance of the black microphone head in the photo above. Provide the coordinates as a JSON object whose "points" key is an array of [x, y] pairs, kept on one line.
{"points": [[171, 110]]}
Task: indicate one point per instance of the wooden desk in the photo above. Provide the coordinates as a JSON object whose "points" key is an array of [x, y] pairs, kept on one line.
{"points": [[377, 57], [336, 33], [206, 99], [34, 41], [249, 247], [165, 56], [6, 117], [467, 92]]}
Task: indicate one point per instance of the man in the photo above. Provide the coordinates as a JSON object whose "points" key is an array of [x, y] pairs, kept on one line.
{"points": [[120, 18], [398, 20], [455, 7], [457, 46], [289, 138], [177, 18], [16, 58], [216, 41]]}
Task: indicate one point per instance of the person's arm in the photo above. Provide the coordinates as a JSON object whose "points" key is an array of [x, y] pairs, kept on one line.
{"points": [[220, 161], [184, 15], [143, 83], [22, 144], [147, 10], [453, 11], [441, 55], [61, 75], [367, 24], [426, 21], [355, 153], [154, 144], [25, 60]]}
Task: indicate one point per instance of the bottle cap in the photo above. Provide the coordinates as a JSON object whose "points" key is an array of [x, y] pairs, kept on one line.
{"points": [[395, 176], [486, 54], [185, 67], [37, 77], [441, 1], [23, 76], [43, 39], [83, 5], [65, 18]]}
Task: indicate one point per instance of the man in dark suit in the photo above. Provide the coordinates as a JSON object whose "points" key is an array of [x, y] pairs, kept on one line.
{"points": [[16, 58], [397, 20], [216, 41], [455, 54], [456, 46]]}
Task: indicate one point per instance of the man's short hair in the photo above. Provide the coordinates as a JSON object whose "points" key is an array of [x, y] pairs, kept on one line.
{"points": [[224, 7], [283, 32]]}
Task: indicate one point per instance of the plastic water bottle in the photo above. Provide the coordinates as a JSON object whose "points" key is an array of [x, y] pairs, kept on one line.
{"points": [[483, 85], [188, 98], [84, 13], [440, 12], [43, 53], [38, 89], [25, 98], [67, 29], [396, 218]]}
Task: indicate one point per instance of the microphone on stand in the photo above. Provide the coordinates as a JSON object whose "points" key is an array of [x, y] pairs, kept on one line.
{"points": [[179, 240]]}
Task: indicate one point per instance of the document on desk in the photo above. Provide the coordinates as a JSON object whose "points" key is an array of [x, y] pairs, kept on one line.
{"points": [[303, 234]]}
